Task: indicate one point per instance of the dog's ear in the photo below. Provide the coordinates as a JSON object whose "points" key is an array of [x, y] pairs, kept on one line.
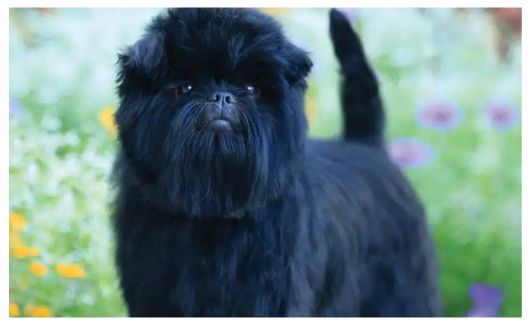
{"points": [[143, 60], [298, 64]]}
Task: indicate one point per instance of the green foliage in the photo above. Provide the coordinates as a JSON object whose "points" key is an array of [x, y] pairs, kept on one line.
{"points": [[62, 70]]}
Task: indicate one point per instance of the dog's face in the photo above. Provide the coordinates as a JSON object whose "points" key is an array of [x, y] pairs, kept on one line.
{"points": [[211, 117]]}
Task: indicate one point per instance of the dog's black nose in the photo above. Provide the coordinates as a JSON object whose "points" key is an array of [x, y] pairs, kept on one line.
{"points": [[222, 111], [223, 98]]}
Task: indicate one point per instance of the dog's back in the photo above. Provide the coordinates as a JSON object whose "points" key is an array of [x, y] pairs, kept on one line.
{"points": [[380, 251], [378, 246]]}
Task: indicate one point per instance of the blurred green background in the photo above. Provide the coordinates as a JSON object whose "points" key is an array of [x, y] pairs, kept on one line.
{"points": [[451, 81]]}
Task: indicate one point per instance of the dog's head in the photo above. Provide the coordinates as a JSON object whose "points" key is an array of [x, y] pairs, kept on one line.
{"points": [[211, 118]]}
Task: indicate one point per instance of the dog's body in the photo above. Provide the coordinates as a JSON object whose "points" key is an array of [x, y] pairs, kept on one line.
{"points": [[299, 228]]}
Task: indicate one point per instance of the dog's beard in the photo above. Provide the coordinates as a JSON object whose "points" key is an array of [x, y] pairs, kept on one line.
{"points": [[211, 174], [183, 166]]}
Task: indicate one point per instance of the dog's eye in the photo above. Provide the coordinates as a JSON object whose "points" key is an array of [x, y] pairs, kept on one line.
{"points": [[250, 88], [185, 88]]}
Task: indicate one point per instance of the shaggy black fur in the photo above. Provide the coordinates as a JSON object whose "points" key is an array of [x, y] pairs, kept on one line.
{"points": [[226, 209]]}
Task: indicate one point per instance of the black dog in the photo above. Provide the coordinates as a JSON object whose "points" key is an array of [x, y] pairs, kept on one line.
{"points": [[226, 209]]}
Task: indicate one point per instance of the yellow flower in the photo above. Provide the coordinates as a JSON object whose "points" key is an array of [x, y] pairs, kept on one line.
{"points": [[23, 251], [14, 240], [275, 11], [310, 111], [14, 311], [71, 271], [106, 118], [17, 221], [38, 311], [37, 268]]}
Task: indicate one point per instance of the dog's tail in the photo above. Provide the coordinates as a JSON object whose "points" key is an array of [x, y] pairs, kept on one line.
{"points": [[363, 113]]}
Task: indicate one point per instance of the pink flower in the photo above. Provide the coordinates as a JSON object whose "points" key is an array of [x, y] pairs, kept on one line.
{"points": [[410, 153], [502, 115], [440, 115]]}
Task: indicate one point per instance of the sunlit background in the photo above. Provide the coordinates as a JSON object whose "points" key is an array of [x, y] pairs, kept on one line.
{"points": [[451, 81]]}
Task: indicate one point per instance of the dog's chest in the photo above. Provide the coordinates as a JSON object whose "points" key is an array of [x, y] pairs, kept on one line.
{"points": [[211, 268]]}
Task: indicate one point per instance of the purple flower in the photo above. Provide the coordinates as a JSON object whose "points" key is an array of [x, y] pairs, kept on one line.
{"points": [[15, 108], [410, 153], [440, 115], [486, 299], [502, 115]]}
